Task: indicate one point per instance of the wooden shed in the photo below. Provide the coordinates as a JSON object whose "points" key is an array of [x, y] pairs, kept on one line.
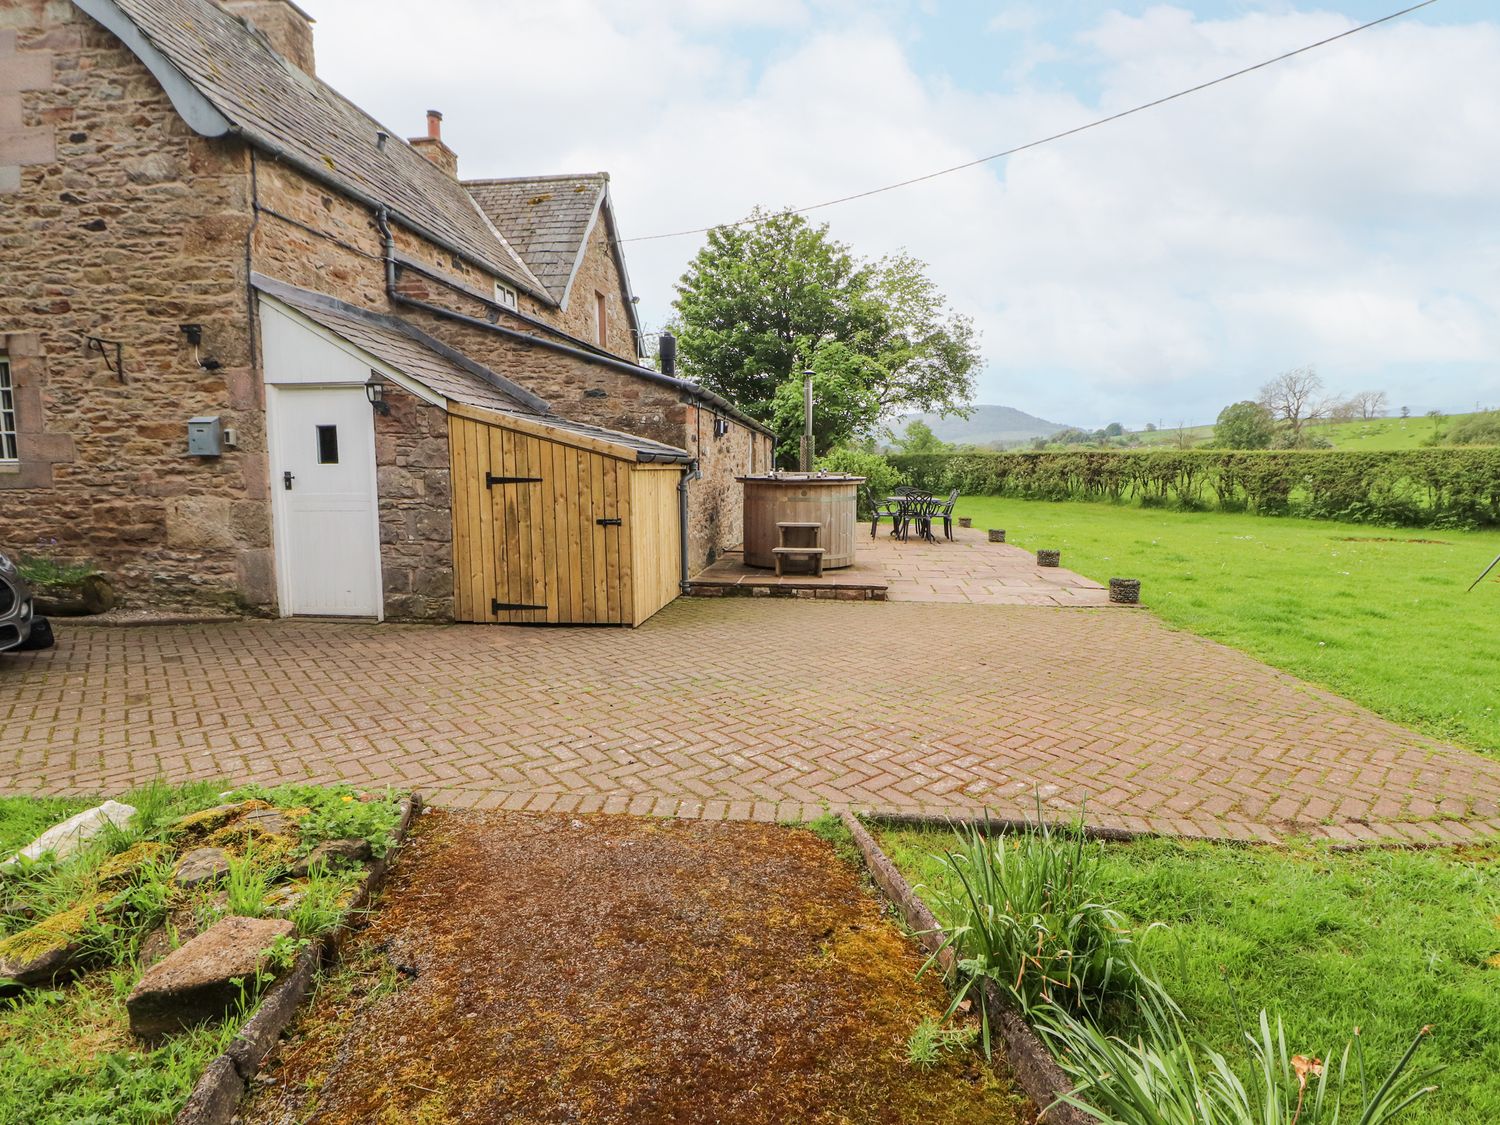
{"points": [[561, 524]]}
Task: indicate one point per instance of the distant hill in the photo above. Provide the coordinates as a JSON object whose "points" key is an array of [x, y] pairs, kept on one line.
{"points": [[987, 425]]}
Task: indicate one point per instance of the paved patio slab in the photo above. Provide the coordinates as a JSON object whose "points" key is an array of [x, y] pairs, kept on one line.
{"points": [[967, 568], [747, 709]]}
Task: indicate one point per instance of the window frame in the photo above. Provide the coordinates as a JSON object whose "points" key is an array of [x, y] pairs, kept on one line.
{"points": [[10, 422], [601, 319]]}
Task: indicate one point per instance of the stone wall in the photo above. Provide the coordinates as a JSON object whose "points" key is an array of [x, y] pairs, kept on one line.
{"points": [[416, 520], [575, 387], [598, 273], [716, 502], [117, 222]]}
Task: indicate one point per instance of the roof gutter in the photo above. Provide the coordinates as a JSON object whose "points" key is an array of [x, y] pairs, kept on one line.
{"points": [[707, 397]]}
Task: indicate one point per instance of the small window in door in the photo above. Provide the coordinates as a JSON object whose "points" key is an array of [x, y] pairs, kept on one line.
{"points": [[328, 445]]}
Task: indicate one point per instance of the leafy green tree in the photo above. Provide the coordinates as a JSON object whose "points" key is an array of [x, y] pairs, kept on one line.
{"points": [[763, 301], [1477, 429], [919, 438], [1245, 425], [1114, 429], [845, 407]]}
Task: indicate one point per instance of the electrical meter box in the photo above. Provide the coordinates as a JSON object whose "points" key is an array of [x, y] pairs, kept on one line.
{"points": [[205, 436]]}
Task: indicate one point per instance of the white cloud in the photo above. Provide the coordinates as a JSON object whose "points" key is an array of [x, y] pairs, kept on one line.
{"points": [[1338, 209]]}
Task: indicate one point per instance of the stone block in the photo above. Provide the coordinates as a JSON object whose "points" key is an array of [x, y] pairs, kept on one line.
{"points": [[10, 179], [28, 146], [10, 112], [255, 575], [27, 70], [62, 840], [199, 521], [201, 979]]}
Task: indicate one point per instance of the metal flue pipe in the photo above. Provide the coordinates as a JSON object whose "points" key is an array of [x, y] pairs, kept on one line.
{"points": [[807, 433]]}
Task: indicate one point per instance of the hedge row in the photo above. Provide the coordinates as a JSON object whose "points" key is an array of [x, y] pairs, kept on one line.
{"points": [[1419, 488]]}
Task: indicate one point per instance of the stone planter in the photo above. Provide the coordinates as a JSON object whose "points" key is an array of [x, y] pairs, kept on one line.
{"points": [[89, 595], [1048, 558], [997, 535], [965, 521], [1125, 591]]}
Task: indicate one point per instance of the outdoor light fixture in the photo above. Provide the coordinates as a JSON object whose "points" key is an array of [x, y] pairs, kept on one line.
{"points": [[375, 392]]}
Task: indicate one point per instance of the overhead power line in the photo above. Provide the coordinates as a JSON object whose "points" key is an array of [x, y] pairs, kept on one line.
{"points": [[1049, 139]]}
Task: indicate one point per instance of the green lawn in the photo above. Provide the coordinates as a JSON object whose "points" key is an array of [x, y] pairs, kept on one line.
{"points": [[1378, 615], [1384, 940]]}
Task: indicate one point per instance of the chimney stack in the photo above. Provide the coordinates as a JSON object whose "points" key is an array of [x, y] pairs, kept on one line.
{"points": [[287, 26], [432, 146]]}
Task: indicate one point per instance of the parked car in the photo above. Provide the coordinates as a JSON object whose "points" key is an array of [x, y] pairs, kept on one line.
{"points": [[20, 628]]}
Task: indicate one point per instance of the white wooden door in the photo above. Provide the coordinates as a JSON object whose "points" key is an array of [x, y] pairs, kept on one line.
{"points": [[327, 521]]}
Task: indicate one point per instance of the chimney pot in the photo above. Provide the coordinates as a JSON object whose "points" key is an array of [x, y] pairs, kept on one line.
{"points": [[432, 147]]}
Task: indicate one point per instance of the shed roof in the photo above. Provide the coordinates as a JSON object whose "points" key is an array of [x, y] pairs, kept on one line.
{"points": [[449, 373], [276, 106]]}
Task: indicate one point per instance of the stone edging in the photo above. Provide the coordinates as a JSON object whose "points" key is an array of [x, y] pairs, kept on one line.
{"points": [[1035, 1071], [1384, 836], [216, 1097]]}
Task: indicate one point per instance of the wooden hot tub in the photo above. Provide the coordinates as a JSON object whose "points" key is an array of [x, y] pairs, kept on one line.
{"points": [[829, 500]]}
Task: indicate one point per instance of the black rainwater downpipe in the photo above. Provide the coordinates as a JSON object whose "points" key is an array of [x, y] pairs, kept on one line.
{"points": [[682, 518]]}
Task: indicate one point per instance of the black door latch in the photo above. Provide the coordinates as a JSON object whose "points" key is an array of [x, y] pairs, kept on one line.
{"points": [[608, 522], [286, 480]]}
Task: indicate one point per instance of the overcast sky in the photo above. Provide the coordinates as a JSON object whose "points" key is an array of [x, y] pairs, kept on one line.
{"points": [[1341, 210]]}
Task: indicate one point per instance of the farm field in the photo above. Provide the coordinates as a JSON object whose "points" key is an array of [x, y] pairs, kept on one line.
{"points": [[1385, 940], [1378, 615], [1376, 435]]}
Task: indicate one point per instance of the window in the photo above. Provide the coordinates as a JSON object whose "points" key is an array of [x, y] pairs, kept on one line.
{"points": [[601, 319], [328, 445], [505, 296], [9, 450]]}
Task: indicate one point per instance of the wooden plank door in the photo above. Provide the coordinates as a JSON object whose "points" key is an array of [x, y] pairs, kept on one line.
{"points": [[540, 530]]}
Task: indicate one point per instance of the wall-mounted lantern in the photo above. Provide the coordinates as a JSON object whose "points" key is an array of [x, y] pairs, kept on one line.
{"points": [[375, 392]]}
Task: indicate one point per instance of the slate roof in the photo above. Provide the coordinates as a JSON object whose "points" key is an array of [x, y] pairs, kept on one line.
{"points": [[275, 105], [546, 219], [447, 372]]}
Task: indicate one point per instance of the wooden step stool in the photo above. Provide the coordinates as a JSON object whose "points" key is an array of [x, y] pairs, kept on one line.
{"points": [[799, 541]]}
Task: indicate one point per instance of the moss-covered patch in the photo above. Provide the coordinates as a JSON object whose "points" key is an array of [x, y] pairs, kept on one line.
{"points": [[615, 969], [66, 1055]]}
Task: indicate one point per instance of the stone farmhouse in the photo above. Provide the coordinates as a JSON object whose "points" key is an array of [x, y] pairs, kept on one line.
{"points": [[256, 350]]}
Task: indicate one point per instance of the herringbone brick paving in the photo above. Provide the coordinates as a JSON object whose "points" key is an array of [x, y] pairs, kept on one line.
{"points": [[761, 709]]}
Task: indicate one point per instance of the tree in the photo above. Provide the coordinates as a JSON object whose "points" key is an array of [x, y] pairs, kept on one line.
{"points": [[1406, 412], [1151, 427], [919, 438], [1371, 404], [1343, 410], [1294, 399], [1245, 425], [844, 407], [762, 301], [1114, 429]]}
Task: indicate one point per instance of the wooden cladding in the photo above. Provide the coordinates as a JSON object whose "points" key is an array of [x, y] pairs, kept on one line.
{"points": [[548, 532]]}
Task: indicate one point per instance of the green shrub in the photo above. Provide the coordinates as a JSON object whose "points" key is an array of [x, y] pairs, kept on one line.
{"points": [[1167, 1077], [1476, 429], [1023, 911], [335, 813], [1426, 487], [881, 477]]}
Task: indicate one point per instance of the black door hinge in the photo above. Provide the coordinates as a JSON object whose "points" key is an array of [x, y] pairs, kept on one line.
{"points": [[490, 480], [609, 521], [497, 607]]}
